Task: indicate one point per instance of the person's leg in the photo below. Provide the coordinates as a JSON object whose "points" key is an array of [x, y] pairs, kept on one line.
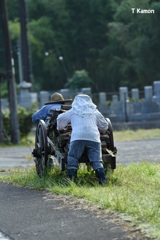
{"points": [[94, 154], [100, 174], [95, 157], [76, 149]]}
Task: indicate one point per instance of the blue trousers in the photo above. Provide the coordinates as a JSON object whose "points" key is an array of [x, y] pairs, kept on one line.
{"points": [[76, 150]]}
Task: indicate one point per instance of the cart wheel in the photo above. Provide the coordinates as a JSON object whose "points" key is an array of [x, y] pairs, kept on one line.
{"points": [[110, 134], [41, 146]]}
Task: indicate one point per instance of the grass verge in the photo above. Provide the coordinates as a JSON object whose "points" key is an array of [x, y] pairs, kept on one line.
{"points": [[119, 136], [132, 191], [140, 134]]}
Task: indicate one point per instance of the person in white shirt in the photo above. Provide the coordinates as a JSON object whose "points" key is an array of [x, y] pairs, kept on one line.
{"points": [[87, 123]]}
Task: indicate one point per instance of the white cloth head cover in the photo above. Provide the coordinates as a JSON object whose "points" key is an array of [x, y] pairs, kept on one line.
{"points": [[83, 106]]}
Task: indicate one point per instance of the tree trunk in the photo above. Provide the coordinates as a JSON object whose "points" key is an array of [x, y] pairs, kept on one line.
{"points": [[24, 42], [15, 135]]}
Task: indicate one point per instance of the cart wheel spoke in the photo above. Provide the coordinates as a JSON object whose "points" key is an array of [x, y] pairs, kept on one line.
{"points": [[41, 147]]}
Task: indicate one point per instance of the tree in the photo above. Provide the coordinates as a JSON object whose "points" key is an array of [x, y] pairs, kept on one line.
{"points": [[103, 37], [15, 135], [133, 45], [24, 46], [79, 80], [48, 24]]}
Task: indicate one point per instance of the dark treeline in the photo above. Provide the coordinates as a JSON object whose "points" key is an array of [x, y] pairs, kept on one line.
{"points": [[115, 46]]}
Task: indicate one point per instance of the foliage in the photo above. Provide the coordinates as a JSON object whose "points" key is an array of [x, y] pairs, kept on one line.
{"points": [[135, 41], [103, 37], [14, 28], [3, 89], [79, 80], [25, 123]]}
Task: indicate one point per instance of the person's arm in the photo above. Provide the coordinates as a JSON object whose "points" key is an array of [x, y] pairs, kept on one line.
{"points": [[101, 122], [40, 114], [63, 119]]}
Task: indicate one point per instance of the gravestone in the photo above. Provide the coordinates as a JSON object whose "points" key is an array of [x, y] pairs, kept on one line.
{"points": [[86, 91], [149, 106], [115, 107], [148, 93], [123, 94], [135, 94], [156, 91], [65, 93], [116, 111], [156, 88], [135, 98], [102, 98], [102, 103], [34, 97], [24, 97], [43, 98]]}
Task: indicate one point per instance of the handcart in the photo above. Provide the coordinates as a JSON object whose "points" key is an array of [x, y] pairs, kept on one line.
{"points": [[51, 145]]}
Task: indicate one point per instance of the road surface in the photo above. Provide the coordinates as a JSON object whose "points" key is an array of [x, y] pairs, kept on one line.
{"points": [[128, 152], [37, 215]]}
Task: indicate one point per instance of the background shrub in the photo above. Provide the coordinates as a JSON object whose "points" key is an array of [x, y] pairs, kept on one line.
{"points": [[25, 121]]}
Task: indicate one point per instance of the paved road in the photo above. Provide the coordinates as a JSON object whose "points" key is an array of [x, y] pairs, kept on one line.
{"points": [[128, 152], [15, 157], [138, 151], [36, 215]]}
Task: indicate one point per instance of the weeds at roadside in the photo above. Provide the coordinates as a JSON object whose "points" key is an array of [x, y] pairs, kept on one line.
{"points": [[133, 190]]}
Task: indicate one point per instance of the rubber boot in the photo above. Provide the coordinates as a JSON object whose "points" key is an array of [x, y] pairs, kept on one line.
{"points": [[72, 174], [100, 174]]}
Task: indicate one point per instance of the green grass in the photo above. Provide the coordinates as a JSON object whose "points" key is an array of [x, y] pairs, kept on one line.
{"points": [[140, 134], [125, 135], [132, 191]]}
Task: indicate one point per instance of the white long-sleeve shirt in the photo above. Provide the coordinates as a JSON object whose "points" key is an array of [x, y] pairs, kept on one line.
{"points": [[83, 128]]}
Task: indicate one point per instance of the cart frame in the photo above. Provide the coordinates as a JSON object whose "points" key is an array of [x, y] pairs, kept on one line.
{"points": [[51, 146]]}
